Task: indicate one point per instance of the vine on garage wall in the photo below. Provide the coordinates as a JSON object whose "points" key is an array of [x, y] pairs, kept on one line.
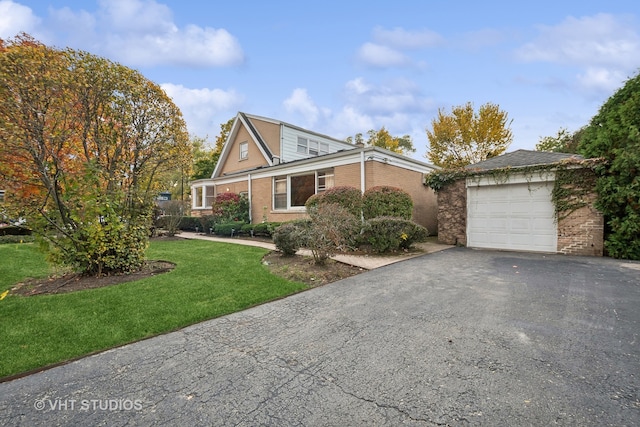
{"points": [[575, 180]]}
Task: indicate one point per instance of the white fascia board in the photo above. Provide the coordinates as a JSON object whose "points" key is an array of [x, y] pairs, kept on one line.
{"points": [[379, 154], [511, 177]]}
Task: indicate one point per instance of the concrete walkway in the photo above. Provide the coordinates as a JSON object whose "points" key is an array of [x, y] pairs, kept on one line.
{"points": [[368, 262]]}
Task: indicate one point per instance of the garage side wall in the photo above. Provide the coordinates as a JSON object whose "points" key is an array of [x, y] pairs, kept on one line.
{"points": [[452, 214], [582, 231]]}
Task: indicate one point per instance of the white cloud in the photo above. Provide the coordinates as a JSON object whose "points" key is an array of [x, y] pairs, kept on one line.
{"points": [[142, 32], [400, 38], [389, 46], [605, 48], [601, 80], [382, 56], [602, 39], [396, 96], [134, 32], [16, 18], [204, 109], [300, 103]]}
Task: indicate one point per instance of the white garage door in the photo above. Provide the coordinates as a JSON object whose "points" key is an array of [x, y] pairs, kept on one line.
{"points": [[512, 216]]}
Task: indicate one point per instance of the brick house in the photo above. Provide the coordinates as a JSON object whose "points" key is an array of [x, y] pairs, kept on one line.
{"points": [[507, 203], [279, 166]]}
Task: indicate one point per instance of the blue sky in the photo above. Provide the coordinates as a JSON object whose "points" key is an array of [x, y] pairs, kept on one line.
{"points": [[343, 67]]}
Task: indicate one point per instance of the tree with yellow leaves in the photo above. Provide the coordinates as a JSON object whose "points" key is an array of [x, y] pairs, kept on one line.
{"points": [[383, 139], [465, 137]]}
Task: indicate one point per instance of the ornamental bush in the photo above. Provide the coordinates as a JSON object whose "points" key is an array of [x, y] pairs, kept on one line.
{"points": [[291, 236], [229, 207], [349, 198], [333, 228], [386, 201], [386, 234]]}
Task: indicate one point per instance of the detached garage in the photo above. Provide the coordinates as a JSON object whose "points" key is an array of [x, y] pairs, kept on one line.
{"points": [[506, 203]]}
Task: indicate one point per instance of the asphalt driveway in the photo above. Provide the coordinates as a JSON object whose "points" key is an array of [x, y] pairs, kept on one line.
{"points": [[459, 337]]}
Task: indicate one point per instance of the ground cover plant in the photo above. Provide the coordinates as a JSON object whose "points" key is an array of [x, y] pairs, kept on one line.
{"points": [[210, 279]]}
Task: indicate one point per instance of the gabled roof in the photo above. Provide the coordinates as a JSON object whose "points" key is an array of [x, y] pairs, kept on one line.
{"points": [[521, 158], [243, 119]]}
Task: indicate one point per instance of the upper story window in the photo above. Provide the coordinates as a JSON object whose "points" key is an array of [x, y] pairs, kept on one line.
{"points": [[311, 147], [244, 150]]}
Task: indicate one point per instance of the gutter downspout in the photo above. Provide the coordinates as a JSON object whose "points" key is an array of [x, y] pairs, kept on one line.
{"points": [[249, 196], [362, 178]]}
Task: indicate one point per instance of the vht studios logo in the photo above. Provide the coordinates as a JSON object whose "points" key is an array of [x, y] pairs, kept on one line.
{"points": [[87, 405]]}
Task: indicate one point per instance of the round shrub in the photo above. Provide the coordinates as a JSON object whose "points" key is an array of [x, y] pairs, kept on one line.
{"points": [[349, 198], [386, 201], [290, 236], [386, 234]]}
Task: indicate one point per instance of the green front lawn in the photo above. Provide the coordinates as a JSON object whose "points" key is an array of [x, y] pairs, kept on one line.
{"points": [[210, 279]]}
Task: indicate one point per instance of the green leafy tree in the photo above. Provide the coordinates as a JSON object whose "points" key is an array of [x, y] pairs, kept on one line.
{"points": [[465, 137], [563, 142], [614, 134], [205, 159], [383, 139], [84, 144]]}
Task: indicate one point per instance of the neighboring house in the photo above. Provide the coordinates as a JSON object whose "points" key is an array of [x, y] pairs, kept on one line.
{"points": [[279, 166], [506, 202]]}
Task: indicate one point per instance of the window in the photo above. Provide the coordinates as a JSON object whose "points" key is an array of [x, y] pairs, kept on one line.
{"points": [[302, 187], [302, 145], [311, 147], [244, 150], [325, 180], [210, 195], [280, 192], [293, 191], [203, 196]]}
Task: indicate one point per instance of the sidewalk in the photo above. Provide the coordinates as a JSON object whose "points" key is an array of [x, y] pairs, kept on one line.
{"points": [[368, 262]]}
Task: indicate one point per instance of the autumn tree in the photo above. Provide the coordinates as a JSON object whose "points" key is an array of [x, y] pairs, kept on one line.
{"points": [[84, 142], [465, 137], [383, 139], [614, 134]]}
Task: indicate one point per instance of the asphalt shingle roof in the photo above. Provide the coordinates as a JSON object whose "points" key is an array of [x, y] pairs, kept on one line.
{"points": [[520, 158]]}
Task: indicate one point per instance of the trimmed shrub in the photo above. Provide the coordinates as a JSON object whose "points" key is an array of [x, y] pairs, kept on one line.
{"points": [[228, 229], [291, 236], [264, 229], [189, 223], [333, 228], [386, 234], [386, 201], [349, 198]]}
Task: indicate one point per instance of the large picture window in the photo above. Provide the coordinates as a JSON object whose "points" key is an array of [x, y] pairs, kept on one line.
{"points": [[293, 191], [302, 187]]}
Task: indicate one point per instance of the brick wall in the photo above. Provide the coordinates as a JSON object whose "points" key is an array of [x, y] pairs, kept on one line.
{"points": [[425, 201], [452, 214], [582, 231]]}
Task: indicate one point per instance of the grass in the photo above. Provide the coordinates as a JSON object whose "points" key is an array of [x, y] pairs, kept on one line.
{"points": [[210, 280]]}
